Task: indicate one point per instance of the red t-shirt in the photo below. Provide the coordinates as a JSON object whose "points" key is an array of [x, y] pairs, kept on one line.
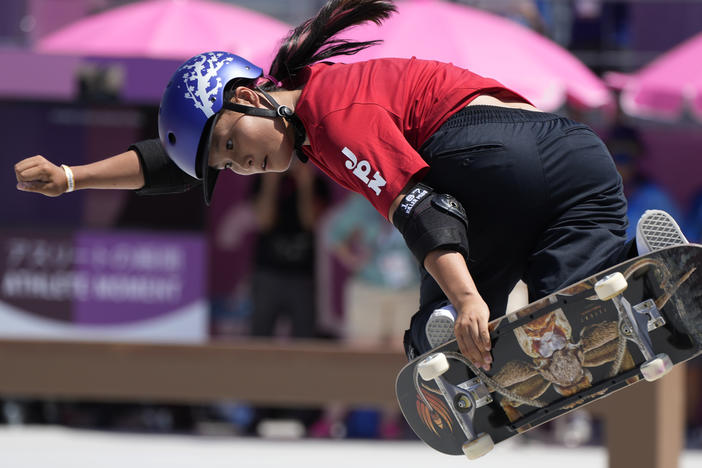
{"points": [[366, 120]]}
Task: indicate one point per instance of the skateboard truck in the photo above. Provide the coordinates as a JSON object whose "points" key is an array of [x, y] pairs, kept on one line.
{"points": [[635, 323], [649, 310], [462, 399], [479, 394]]}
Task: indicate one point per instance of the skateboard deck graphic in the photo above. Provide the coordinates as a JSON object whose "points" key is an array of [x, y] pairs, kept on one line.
{"points": [[561, 352]]}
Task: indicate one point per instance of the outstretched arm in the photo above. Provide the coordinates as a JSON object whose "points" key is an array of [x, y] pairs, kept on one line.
{"points": [[37, 174], [144, 167]]}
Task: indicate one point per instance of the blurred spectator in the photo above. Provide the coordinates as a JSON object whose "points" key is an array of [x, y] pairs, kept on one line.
{"points": [[381, 293], [286, 208], [525, 12], [627, 148], [599, 25], [694, 220]]}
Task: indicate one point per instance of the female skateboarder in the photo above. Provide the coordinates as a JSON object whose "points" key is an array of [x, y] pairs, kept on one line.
{"points": [[485, 188]]}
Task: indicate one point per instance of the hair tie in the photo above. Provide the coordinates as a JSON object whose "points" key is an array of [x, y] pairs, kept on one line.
{"points": [[272, 79]]}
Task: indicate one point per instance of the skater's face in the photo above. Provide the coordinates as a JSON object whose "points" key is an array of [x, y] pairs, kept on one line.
{"points": [[249, 144]]}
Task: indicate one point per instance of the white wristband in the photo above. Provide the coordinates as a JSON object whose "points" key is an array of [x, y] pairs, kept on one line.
{"points": [[69, 178]]}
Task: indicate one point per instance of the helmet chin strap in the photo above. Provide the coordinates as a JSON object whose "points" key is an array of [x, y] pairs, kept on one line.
{"points": [[280, 111]]}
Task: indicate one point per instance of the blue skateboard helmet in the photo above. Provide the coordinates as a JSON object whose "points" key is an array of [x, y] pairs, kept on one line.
{"points": [[190, 108]]}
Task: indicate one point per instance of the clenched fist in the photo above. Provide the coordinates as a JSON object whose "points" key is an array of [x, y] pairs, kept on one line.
{"points": [[37, 174]]}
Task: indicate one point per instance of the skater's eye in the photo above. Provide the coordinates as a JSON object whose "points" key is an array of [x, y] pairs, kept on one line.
{"points": [[229, 145]]}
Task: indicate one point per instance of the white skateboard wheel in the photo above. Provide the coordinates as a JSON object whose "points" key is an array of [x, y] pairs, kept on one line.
{"points": [[610, 286], [656, 368], [478, 447], [433, 366]]}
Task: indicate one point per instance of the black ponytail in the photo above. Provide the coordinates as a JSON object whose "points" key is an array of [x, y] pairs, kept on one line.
{"points": [[313, 40]]}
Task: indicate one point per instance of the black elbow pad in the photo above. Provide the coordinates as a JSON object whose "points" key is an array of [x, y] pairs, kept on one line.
{"points": [[431, 221], [161, 175]]}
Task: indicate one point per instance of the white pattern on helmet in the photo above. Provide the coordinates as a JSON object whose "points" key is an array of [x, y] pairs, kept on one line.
{"points": [[203, 69]]}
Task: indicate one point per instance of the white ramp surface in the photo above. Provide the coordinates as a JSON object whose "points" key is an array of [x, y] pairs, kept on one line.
{"points": [[57, 447]]}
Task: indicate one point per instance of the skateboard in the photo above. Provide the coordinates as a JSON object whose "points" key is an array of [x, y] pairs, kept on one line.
{"points": [[631, 322]]}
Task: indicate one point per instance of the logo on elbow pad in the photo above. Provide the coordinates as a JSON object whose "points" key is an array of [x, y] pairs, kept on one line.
{"points": [[362, 170], [412, 198]]}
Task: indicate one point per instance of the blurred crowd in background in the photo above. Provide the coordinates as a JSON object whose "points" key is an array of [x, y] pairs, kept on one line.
{"points": [[291, 255]]}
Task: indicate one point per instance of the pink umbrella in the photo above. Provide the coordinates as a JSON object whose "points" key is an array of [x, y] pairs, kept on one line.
{"points": [[489, 45], [669, 88], [170, 29]]}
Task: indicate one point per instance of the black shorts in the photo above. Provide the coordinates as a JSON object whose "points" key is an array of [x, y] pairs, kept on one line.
{"points": [[545, 203]]}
